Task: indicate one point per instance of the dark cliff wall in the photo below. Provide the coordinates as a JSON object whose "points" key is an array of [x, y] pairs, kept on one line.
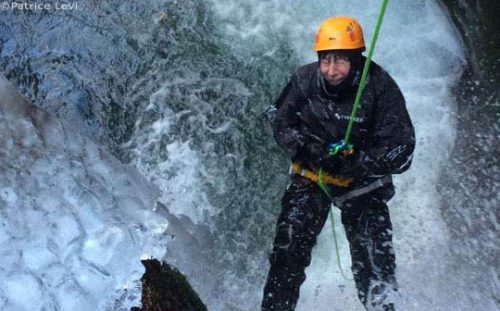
{"points": [[479, 23], [470, 183]]}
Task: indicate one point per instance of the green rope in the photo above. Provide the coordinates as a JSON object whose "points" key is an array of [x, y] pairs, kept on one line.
{"points": [[325, 189], [365, 71], [322, 184], [345, 142], [337, 252]]}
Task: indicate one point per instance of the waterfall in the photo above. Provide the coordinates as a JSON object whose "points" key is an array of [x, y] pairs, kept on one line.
{"points": [[156, 144]]}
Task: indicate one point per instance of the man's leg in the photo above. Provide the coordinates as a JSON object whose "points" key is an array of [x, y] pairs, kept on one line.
{"points": [[369, 231], [304, 211]]}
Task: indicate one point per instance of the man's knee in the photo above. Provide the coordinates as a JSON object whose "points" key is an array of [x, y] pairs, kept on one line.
{"points": [[291, 247], [282, 243]]}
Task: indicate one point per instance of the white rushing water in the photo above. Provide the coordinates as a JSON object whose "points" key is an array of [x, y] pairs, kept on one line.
{"points": [[76, 221]]}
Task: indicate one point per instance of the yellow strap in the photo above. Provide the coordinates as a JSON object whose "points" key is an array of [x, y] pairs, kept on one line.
{"points": [[341, 181]]}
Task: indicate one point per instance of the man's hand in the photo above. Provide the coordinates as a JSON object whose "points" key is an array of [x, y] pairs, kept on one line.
{"points": [[340, 146], [345, 163], [314, 151]]}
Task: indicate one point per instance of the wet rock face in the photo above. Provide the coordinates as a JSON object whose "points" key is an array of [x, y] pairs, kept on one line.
{"points": [[478, 22], [82, 64], [469, 184], [51, 66], [166, 289]]}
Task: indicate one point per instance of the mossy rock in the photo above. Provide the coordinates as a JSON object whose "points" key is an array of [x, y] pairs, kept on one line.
{"points": [[165, 289]]}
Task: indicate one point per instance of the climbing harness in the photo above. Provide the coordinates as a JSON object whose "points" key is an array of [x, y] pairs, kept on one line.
{"points": [[344, 145], [339, 181]]}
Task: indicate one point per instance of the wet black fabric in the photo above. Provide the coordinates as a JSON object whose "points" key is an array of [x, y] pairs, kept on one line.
{"points": [[311, 114], [304, 212], [311, 111], [368, 229]]}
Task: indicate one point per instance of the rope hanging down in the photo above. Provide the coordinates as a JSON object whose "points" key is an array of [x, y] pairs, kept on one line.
{"points": [[365, 70], [344, 144]]}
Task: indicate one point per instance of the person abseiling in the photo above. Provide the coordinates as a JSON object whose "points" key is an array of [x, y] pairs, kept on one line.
{"points": [[313, 112]]}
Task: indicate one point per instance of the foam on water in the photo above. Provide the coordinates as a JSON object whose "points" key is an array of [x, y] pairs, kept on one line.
{"points": [[73, 217], [173, 164]]}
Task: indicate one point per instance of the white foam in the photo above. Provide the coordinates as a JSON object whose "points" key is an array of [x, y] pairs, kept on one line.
{"points": [[23, 290], [174, 166], [73, 217]]}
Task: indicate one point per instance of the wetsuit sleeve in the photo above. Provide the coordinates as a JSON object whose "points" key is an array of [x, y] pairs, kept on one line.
{"points": [[287, 124], [394, 135]]}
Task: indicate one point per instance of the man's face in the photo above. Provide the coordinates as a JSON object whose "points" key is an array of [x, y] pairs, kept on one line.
{"points": [[334, 68]]}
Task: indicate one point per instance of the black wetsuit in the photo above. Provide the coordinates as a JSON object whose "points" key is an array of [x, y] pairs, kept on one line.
{"points": [[309, 110]]}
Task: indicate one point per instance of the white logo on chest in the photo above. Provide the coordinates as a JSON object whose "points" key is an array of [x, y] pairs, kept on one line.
{"points": [[344, 117]]}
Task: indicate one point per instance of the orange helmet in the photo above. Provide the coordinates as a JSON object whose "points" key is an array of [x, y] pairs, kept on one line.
{"points": [[339, 33]]}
